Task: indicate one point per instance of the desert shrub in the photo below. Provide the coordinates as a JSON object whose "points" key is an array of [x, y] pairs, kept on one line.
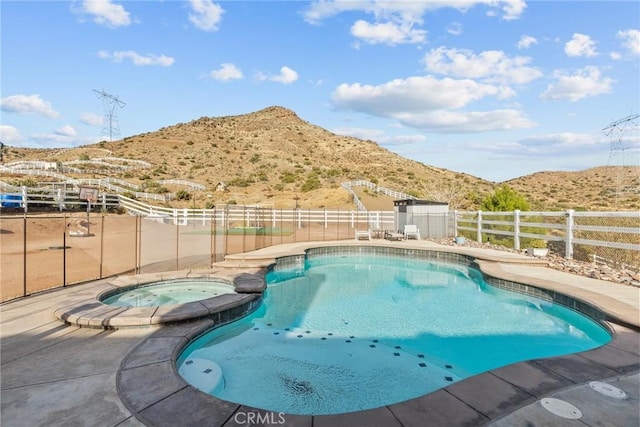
{"points": [[183, 195], [239, 182], [311, 183], [288, 177]]}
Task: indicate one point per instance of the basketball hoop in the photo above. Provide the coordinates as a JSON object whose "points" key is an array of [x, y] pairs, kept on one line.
{"points": [[89, 194]]}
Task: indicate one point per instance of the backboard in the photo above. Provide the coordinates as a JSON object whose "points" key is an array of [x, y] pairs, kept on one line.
{"points": [[88, 193]]}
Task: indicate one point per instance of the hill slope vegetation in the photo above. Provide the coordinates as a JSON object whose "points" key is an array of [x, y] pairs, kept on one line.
{"points": [[275, 158]]}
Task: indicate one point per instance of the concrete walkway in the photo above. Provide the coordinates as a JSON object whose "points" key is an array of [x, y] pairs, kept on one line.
{"points": [[57, 375]]}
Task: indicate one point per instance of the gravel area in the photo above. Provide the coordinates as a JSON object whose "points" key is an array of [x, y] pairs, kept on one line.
{"points": [[587, 269]]}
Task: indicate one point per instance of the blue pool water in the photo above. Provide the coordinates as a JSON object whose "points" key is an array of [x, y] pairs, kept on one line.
{"points": [[347, 334], [169, 292]]}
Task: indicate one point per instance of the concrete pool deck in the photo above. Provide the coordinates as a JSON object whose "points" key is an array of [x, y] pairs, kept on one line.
{"points": [[54, 374]]}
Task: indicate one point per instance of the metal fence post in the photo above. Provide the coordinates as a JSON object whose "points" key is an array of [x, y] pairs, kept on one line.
{"points": [[479, 232], [568, 249], [64, 258], [101, 244], [139, 248], [516, 229], [212, 237], [24, 255], [455, 223], [177, 244]]}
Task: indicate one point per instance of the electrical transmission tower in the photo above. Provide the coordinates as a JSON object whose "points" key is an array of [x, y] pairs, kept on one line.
{"points": [[111, 103], [619, 144]]}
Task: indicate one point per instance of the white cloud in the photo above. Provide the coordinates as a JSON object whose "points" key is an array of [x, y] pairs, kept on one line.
{"points": [[105, 12], [206, 15], [226, 72], [444, 121], [66, 130], [286, 76], [48, 140], [387, 33], [455, 28], [59, 139], [566, 139], [551, 145], [583, 83], [427, 103], [491, 65], [630, 40], [526, 41], [28, 104], [512, 9], [380, 136], [91, 119], [580, 45], [10, 135], [389, 140], [137, 59], [395, 22], [407, 11], [411, 94]]}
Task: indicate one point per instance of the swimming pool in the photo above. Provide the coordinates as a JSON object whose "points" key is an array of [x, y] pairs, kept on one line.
{"points": [[167, 292], [346, 333]]}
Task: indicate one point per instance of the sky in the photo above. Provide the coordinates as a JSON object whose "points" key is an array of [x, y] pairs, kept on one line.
{"points": [[493, 88]]}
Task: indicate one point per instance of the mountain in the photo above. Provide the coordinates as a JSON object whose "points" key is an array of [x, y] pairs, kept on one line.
{"points": [[275, 158]]}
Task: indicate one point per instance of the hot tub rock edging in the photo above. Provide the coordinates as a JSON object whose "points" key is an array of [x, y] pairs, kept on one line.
{"points": [[84, 309]]}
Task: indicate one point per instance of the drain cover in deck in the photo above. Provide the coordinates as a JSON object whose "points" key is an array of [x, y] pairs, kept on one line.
{"points": [[561, 408], [608, 390]]}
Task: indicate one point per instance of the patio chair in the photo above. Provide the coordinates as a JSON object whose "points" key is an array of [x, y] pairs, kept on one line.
{"points": [[363, 234], [392, 235], [411, 231]]}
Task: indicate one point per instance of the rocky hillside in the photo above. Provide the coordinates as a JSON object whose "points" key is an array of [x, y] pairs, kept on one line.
{"points": [[273, 157], [600, 189]]}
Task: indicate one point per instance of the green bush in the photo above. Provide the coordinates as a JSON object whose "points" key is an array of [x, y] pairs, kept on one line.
{"points": [[311, 183], [504, 199], [183, 195]]}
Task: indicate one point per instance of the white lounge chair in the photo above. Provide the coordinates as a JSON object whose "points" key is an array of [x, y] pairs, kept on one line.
{"points": [[411, 231], [363, 234]]}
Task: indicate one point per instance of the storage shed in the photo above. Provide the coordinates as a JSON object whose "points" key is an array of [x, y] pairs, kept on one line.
{"points": [[430, 217]]}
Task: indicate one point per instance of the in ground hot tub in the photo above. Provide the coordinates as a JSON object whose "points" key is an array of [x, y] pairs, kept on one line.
{"points": [[167, 292], [155, 299]]}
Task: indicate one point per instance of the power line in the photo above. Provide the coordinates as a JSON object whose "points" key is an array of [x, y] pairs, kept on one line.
{"points": [[110, 103], [616, 132]]}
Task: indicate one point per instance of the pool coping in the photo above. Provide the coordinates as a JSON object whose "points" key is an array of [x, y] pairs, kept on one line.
{"points": [[86, 310], [150, 387]]}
